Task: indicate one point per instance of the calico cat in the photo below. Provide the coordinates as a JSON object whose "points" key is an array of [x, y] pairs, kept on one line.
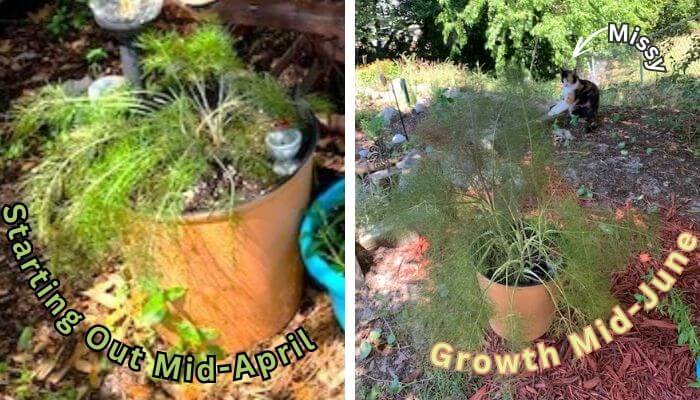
{"points": [[584, 100]]}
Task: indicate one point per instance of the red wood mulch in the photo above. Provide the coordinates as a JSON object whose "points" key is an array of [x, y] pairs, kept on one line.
{"points": [[644, 364]]}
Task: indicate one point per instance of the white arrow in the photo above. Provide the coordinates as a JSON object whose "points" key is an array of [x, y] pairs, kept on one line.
{"points": [[578, 50]]}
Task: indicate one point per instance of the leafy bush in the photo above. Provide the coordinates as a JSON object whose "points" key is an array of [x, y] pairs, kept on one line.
{"points": [[68, 16], [372, 126], [536, 35]]}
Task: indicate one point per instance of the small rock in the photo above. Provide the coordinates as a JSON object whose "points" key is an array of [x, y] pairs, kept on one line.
{"points": [[363, 153], [379, 176], [388, 114], [372, 236], [77, 87], [106, 84], [649, 186], [410, 160], [421, 106], [562, 136], [602, 147], [570, 176], [398, 139], [451, 93], [632, 165]]}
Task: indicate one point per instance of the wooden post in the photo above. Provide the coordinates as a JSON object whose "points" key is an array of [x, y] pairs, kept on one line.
{"points": [[319, 17]]}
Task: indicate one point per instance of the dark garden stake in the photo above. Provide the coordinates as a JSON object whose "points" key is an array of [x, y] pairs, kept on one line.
{"points": [[384, 82], [125, 19]]}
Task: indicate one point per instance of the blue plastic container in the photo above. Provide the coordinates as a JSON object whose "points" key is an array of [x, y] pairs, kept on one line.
{"points": [[317, 266]]}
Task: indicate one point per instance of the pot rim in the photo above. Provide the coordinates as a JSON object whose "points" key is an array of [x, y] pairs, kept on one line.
{"points": [[308, 145], [480, 275]]}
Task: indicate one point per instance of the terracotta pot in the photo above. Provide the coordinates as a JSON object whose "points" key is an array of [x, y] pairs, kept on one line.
{"points": [[532, 305], [241, 268]]}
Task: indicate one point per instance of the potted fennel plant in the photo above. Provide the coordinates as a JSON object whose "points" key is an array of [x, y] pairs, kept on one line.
{"points": [[177, 181], [510, 249]]}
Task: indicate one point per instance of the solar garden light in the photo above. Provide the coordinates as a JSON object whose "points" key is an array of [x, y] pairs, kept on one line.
{"points": [[283, 146], [125, 19]]}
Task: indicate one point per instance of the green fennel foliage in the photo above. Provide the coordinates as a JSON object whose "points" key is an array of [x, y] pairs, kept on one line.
{"points": [[111, 163], [483, 200], [206, 52], [329, 239]]}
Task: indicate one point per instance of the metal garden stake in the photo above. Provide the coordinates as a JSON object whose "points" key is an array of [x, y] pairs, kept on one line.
{"points": [[383, 81], [125, 19]]}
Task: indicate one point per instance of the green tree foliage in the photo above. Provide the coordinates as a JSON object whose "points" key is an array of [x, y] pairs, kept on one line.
{"points": [[539, 32], [537, 35], [675, 14], [383, 29]]}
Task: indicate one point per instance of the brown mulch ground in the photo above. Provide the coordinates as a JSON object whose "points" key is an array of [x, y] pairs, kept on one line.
{"points": [[644, 364], [647, 363], [640, 156]]}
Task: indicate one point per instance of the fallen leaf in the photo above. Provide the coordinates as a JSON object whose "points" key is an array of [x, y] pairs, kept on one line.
{"points": [[139, 392], [619, 214], [43, 14], [644, 257], [365, 349]]}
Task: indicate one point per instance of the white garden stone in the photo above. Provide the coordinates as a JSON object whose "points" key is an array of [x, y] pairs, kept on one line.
{"points": [[451, 93], [378, 177], [398, 139], [388, 114], [410, 160], [421, 105]]}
